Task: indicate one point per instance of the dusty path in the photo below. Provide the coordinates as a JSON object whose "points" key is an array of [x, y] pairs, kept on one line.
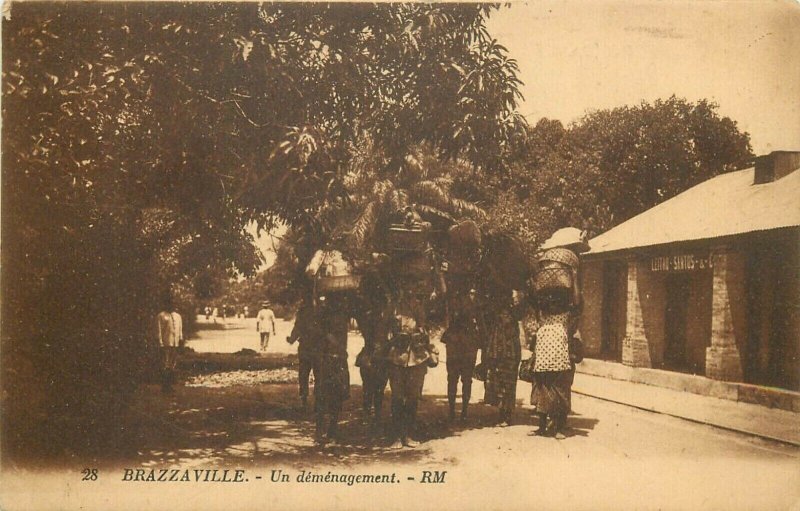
{"points": [[616, 457]]}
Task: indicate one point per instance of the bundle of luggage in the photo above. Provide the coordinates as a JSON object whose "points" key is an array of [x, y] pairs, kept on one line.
{"points": [[332, 273], [463, 248]]}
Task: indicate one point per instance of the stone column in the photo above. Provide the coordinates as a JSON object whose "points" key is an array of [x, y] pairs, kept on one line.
{"points": [[635, 348], [723, 361]]}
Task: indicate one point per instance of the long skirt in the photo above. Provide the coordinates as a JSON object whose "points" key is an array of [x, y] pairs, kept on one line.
{"points": [[551, 392], [501, 383]]}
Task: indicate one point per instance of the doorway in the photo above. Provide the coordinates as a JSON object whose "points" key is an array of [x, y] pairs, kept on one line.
{"points": [[675, 320]]}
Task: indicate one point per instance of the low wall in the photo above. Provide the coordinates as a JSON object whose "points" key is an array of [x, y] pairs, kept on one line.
{"points": [[743, 392]]}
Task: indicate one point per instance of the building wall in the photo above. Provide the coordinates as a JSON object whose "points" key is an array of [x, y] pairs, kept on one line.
{"points": [[742, 320], [615, 307], [737, 294], [591, 324], [788, 312], [773, 277]]}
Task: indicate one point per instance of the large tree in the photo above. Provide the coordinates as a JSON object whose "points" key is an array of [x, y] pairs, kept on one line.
{"points": [[140, 139], [611, 165]]}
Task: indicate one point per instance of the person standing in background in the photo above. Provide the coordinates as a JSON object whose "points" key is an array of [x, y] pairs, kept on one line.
{"points": [[265, 324], [170, 337]]}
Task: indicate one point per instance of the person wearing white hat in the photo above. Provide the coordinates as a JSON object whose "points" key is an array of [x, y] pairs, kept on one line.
{"points": [[265, 323]]}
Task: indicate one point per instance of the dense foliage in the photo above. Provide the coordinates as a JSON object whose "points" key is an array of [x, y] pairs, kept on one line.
{"points": [[609, 166], [140, 139]]}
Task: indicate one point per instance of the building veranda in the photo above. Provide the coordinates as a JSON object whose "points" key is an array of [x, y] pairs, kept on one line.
{"points": [[704, 283]]}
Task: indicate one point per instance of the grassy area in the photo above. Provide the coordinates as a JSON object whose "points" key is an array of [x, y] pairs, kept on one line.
{"points": [[192, 362]]}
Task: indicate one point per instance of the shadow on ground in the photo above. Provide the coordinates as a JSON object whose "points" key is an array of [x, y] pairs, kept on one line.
{"points": [[264, 424]]}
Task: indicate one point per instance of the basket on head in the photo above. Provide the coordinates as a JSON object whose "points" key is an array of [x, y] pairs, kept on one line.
{"points": [[555, 270]]}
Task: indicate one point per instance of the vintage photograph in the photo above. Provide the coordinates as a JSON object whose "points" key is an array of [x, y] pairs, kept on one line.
{"points": [[538, 255]]}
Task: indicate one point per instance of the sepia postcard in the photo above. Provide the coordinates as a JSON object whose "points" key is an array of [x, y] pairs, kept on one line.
{"points": [[400, 256]]}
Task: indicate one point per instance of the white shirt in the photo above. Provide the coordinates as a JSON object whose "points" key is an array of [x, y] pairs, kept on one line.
{"points": [[170, 329], [265, 315]]}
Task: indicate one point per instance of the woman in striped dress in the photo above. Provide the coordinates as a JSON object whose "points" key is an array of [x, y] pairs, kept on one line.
{"points": [[503, 355]]}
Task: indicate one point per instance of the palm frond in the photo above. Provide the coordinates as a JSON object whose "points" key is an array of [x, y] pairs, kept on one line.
{"points": [[382, 189], [398, 200], [443, 181], [430, 193], [429, 211], [467, 209], [364, 224]]}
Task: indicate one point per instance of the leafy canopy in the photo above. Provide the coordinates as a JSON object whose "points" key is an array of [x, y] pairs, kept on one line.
{"points": [[611, 165]]}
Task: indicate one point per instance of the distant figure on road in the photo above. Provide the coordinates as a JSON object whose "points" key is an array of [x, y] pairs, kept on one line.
{"points": [[265, 323], [207, 312], [170, 336], [214, 314], [246, 311]]}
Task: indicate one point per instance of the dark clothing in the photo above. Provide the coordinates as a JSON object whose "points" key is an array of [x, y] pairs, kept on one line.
{"points": [[465, 334], [462, 339], [332, 386], [461, 363], [461, 367], [308, 363], [306, 332], [373, 360]]}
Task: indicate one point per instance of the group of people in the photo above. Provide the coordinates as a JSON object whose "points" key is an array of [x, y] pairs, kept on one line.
{"points": [[224, 312], [398, 351]]}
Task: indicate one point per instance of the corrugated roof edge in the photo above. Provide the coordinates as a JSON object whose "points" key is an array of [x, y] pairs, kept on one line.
{"points": [[601, 253], [683, 244]]}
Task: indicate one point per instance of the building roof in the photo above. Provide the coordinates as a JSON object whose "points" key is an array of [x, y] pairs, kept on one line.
{"points": [[725, 205]]}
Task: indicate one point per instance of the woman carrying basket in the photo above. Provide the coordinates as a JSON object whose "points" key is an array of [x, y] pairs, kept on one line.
{"points": [[552, 330]]}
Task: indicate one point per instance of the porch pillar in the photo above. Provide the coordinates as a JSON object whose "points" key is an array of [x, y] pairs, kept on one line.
{"points": [[723, 361], [635, 348]]}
